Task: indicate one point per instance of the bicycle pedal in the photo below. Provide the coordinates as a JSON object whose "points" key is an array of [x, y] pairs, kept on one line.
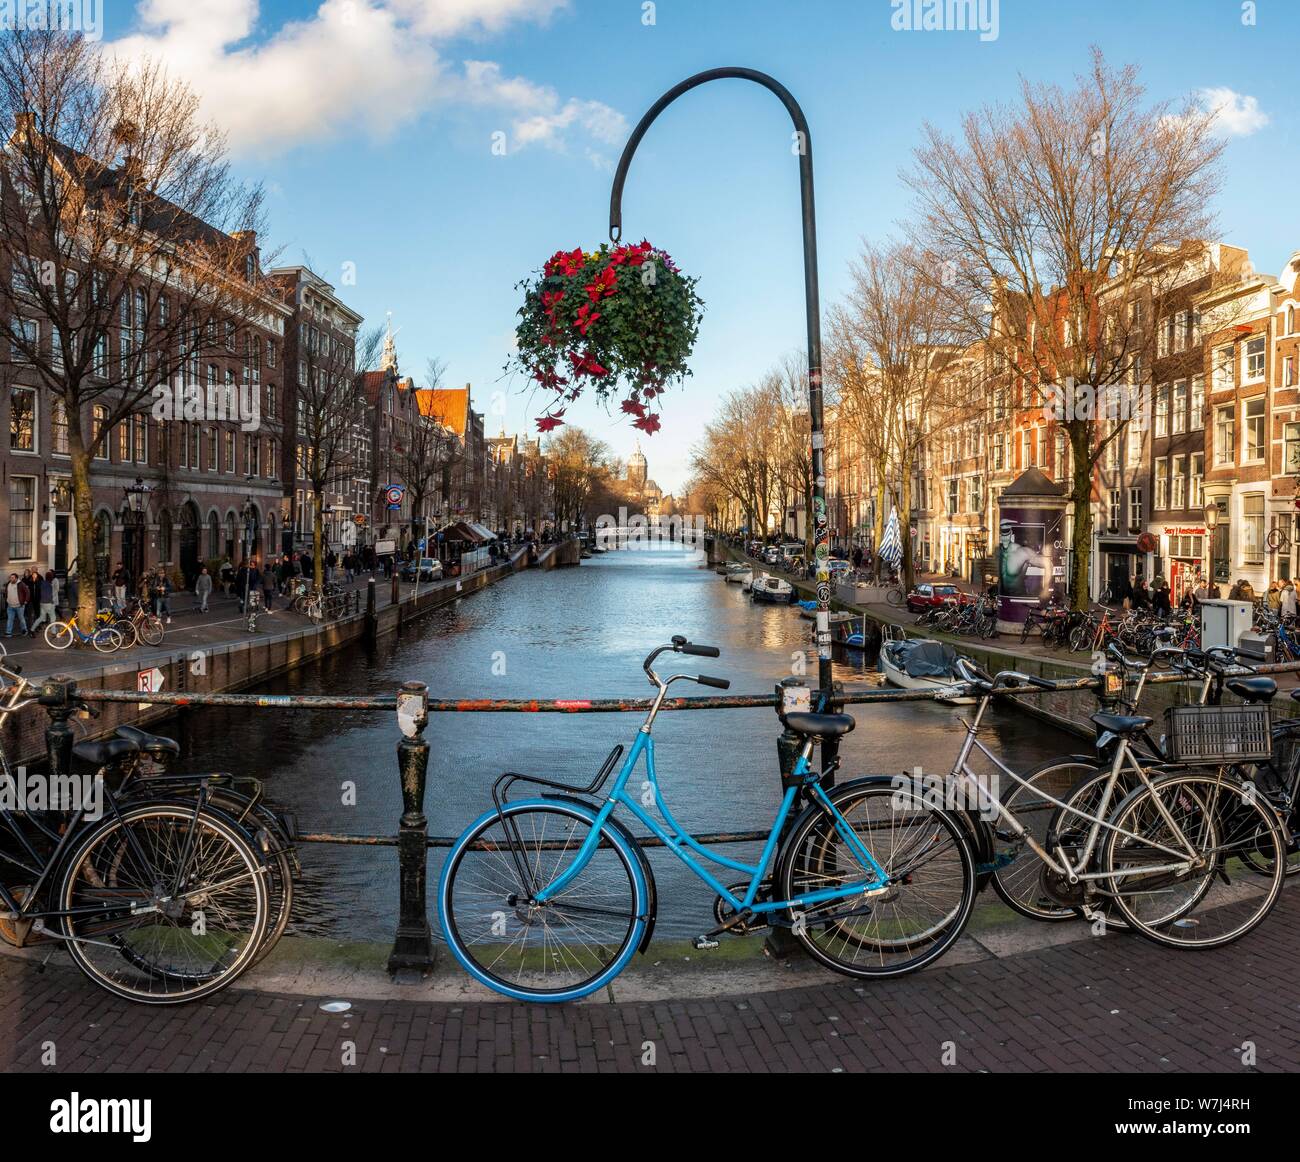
{"points": [[704, 943]]}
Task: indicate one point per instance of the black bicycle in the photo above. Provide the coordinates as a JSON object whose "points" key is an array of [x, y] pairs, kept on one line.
{"points": [[158, 899]]}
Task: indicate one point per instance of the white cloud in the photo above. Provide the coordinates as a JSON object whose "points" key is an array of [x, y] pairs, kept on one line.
{"points": [[1235, 114], [355, 65]]}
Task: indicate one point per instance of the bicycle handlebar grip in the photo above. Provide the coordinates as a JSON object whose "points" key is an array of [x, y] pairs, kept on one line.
{"points": [[717, 683], [701, 651]]}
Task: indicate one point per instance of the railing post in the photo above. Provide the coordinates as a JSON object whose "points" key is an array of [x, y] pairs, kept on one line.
{"points": [[58, 695], [779, 941], [372, 619], [413, 948]]}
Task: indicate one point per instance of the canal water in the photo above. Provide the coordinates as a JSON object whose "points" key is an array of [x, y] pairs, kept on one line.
{"points": [[570, 633]]}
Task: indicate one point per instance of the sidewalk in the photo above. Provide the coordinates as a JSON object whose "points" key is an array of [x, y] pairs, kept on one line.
{"points": [[191, 630], [1118, 1003]]}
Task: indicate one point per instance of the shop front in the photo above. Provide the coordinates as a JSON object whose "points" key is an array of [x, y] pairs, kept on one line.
{"points": [[1181, 558]]}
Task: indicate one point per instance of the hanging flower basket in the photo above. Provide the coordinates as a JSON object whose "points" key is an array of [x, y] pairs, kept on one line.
{"points": [[621, 322]]}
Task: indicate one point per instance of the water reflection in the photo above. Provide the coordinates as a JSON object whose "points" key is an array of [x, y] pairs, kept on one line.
{"points": [[570, 633]]}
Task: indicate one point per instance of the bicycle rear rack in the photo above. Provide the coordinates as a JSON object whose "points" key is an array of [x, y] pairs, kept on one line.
{"points": [[500, 797]]}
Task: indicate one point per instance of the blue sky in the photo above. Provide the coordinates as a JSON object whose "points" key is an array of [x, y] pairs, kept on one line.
{"points": [[375, 139]]}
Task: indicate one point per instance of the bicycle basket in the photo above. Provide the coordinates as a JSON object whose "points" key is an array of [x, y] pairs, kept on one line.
{"points": [[1217, 734]]}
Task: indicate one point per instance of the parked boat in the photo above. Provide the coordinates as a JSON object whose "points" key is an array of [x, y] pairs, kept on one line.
{"points": [[771, 589], [920, 664], [808, 609], [738, 574]]}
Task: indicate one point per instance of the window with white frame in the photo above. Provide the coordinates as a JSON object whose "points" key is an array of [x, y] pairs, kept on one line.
{"points": [[22, 419], [1291, 449], [98, 418], [22, 517], [1197, 417], [26, 337], [1252, 428], [1221, 369], [1135, 510], [1252, 528], [1116, 506], [1162, 409], [1225, 435], [58, 427], [1162, 483], [1196, 480], [1178, 418], [1253, 358], [1178, 483], [1288, 371]]}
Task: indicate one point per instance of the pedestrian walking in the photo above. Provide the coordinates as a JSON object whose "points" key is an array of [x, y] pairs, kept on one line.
{"points": [[1160, 597], [15, 605], [202, 589], [47, 592], [1273, 598], [268, 587], [1287, 601], [33, 580]]}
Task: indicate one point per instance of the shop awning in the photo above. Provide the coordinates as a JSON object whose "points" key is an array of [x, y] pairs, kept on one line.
{"points": [[461, 530], [485, 534]]}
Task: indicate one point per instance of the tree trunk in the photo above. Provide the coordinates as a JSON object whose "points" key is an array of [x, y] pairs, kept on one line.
{"points": [[1081, 495], [905, 528], [83, 505], [317, 535], [879, 531]]}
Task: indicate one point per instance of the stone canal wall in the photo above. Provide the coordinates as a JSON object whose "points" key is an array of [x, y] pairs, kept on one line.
{"points": [[1070, 710], [237, 665]]}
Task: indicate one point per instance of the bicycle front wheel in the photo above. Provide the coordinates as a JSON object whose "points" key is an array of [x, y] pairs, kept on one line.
{"points": [[106, 639], [58, 635], [162, 904], [896, 597], [150, 630], [1191, 890], [126, 627], [559, 950], [929, 892]]}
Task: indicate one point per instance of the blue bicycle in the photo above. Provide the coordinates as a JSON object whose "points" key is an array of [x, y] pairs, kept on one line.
{"points": [[547, 898]]}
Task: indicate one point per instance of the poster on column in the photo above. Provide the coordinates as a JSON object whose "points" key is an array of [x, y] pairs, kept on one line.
{"points": [[1030, 540]]}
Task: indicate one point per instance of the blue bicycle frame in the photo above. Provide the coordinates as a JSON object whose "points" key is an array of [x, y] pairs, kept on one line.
{"points": [[683, 845]]}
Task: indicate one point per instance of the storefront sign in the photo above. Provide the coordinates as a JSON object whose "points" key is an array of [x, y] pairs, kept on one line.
{"points": [[1184, 530]]}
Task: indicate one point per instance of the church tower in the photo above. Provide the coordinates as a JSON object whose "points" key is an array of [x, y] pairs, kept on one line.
{"points": [[636, 469]]}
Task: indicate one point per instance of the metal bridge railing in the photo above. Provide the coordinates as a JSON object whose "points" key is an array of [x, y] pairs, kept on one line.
{"points": [[413, 945]]}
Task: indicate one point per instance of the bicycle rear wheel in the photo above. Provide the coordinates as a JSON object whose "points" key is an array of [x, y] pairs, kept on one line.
{"points": [[150, 629], [58, 635], [164, 906], [106, 639], [1212, 902], [559, 950], [931, 880], [126, 627]]}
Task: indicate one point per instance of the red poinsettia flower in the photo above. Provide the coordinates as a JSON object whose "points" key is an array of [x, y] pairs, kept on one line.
{"points": [[634, 407], [548, 423], [586, 317], [648, 424]]}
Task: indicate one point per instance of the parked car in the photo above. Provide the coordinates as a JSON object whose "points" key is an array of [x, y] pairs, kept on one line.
{"points": [[430, 570], [927, 596]]}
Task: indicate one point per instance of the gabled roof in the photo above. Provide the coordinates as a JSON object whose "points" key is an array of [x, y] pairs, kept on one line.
{"points": [[448, 405]]}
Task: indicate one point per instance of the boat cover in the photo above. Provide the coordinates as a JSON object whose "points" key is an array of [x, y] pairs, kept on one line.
{"points": [[924, 658]]}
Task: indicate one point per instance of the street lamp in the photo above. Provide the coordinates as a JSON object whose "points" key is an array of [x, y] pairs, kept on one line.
{"points": [[137, 502], [1212, 516], [818, 516]]}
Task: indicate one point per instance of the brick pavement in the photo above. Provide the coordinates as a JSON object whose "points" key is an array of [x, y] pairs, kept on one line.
{"points": [[1119, 1004]]}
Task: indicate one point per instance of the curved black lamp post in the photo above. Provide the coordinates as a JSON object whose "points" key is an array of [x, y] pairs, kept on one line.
{"points": [[817, 518]]}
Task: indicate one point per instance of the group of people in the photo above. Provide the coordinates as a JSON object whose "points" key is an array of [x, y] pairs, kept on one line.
{"points": [[30, 600], [153, 591]]}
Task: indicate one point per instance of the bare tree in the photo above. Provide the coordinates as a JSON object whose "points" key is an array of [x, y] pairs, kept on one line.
{"points": [[892, 345], [425, 457], [130, 242], [1056, 214], [578, 463]]}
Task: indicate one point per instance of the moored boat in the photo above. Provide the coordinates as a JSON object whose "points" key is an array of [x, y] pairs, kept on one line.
{"points": [[920, 664], [738, 574], [771, 589]]}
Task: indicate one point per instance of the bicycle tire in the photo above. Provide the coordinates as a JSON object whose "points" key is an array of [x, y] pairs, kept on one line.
{"points": [[106, 639], [58, 635], [154, 976], [151, 629], [485, 898], [859, 944], [896, 597], [126, 627], [1219, 827]]}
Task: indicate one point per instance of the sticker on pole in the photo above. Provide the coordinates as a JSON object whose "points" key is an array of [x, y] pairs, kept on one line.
{"points": [[393, 495]]}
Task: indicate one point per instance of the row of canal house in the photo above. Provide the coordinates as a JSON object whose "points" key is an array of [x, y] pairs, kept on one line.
{"points": [[1214, 389]]}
